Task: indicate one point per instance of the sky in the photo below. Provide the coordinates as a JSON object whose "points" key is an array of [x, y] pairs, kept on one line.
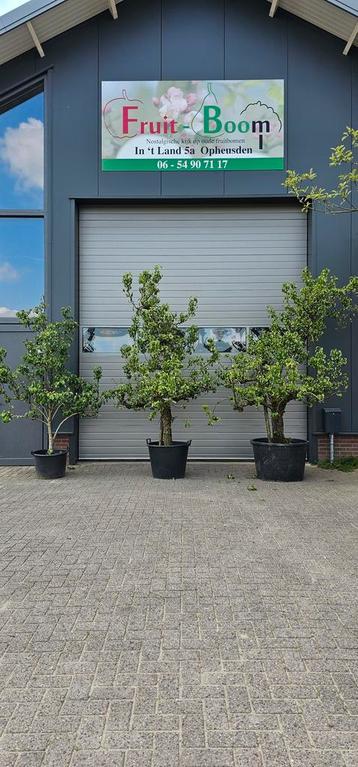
{"points": [[9, 5], [21, 187]]}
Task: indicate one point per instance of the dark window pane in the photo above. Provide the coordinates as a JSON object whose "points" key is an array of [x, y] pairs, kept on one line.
{"points": [[22, 155], [21, 264]]}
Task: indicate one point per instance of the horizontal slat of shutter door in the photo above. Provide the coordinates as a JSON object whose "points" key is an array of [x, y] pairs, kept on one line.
{"points": [[233, 258]]}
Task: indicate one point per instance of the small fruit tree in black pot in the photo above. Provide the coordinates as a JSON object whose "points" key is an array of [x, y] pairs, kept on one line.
{"points": [[5, 378], [51, 392], [286, 364], [161, 368]]}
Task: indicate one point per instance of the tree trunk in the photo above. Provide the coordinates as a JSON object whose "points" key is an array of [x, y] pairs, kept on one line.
{"points": [[268, 423], [166, 437], [49, 436], [278, 434]]}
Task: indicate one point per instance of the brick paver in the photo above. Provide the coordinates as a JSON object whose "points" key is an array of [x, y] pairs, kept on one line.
{"points": [[209, 622]]}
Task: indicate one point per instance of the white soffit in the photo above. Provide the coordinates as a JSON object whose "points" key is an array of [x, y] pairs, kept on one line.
{"points": [[50, 18], [57, 18], [337, 18]]}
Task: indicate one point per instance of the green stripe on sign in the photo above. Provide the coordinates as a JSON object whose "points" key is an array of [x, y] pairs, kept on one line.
{"points": [[214, 163]]}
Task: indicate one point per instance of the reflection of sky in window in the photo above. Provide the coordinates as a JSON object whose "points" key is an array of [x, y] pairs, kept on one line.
{"points": [[104, 340], [225, 339], [21, 187], [21, 155], [110, 340], [21, 264]]}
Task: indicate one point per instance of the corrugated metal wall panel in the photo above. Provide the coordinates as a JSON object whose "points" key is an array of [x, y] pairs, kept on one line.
{"points": [[233, 258]]}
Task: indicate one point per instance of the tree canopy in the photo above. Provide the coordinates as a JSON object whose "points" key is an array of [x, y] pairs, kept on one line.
{"points": [[340, 198], [160, 365], [52, 393], [286, 363]]}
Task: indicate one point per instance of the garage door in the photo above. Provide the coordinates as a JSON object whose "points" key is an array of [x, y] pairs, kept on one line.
{"points": [[233, 258]]}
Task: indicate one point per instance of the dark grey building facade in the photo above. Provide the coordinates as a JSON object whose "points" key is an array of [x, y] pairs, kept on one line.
{"points": [[170, 40]]}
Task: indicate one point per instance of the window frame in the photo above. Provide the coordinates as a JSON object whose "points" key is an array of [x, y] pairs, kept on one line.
{"points": [[8, 101]]}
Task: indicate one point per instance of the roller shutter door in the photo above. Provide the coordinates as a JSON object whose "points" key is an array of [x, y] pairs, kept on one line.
{"points": [[234, 258]]}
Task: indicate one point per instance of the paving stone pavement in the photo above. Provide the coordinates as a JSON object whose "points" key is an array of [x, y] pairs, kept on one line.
{"points": [[208, 622]]}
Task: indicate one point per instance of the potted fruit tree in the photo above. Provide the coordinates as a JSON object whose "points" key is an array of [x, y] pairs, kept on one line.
{"points": [[51, 392], [286, 364], [161, 368]]}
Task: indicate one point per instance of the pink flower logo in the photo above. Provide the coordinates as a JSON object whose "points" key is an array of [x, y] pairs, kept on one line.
{"points": [[174, 103]]}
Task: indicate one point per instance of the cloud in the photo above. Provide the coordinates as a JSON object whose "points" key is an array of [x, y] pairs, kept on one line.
{"points": [[8, 273], [22, 149], [5, 312]]}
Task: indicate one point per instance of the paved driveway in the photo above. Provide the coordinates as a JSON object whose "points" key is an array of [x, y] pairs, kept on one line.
{"points": [[208, 622]]}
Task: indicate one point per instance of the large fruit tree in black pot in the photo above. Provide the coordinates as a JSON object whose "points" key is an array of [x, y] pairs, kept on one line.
{"points": [[286, 363], [161, 368], [51, 393]]}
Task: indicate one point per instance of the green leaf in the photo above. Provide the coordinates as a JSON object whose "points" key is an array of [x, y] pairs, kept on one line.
{"points": [[42, 380], [286, 363], [160, 365]]}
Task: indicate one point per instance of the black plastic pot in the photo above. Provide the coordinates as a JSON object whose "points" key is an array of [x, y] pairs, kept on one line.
{"points": [[280, 462], [168, 462], [50, 466]]}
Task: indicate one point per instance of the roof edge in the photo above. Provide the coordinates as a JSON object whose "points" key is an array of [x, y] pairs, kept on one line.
{"points": [[25, 13], [345, 6]]}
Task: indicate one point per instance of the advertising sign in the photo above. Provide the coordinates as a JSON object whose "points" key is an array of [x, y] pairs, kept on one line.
{"points": [[193, 125]]}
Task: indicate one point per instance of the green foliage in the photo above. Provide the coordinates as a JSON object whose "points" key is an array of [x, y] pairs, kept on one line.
{"points": [[285, 364], [211, 414], [5, 377], [160, 365], [338, 199], [52, 393], [347, 464]]}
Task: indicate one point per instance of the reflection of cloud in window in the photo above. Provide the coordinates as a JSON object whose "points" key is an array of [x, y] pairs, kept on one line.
{"points": [[21, 149], [21, 264], [225, 339], [8, 273]]}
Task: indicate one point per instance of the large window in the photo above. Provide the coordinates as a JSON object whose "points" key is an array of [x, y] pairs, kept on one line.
{"points": [[21, 204]]}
